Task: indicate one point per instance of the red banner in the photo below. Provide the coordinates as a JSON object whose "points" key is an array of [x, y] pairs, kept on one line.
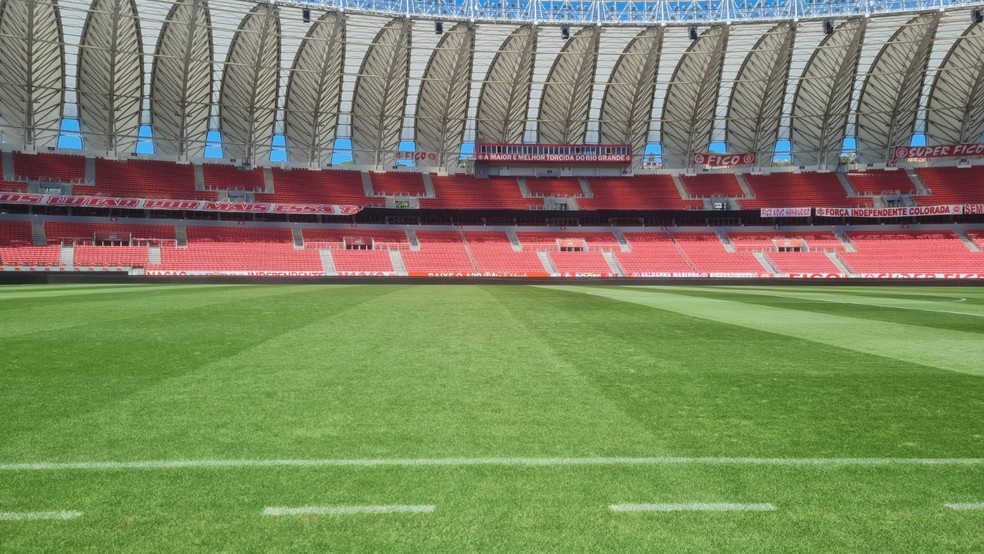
{"points": [[724, 160], [175, 205], [907, 211], [940, 151], [786, 212]]}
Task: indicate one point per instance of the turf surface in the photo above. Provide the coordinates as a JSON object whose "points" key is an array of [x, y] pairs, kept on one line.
{"points": [[401, 373]]}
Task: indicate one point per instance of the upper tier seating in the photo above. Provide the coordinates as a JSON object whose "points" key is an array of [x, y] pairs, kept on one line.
{"points": [[705, 185], [144, 179], [49, 167], [881, 182], [799, 190], [553, 187], [302, 186], [16, 233], [952, 185], [911, 252], [493, 253], [652, 253], [398, 184], [229, 177], [708, 255], [84, 233], [440, 252], [644, 192], [459, 192]]}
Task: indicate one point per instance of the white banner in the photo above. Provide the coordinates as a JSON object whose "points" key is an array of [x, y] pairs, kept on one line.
{"points": [[174, 205], [787, 212], [724, 160], [906, 211]]}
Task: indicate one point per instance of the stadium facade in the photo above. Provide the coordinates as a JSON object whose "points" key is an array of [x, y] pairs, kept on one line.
{"points": [[379, 78]]}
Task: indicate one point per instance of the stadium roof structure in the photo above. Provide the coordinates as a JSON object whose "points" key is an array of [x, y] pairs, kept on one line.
{"points": [[684, 75]]}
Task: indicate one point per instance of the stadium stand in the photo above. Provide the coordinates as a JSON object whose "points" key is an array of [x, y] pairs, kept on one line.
{"points": [[144, 179], [802, 262], [302, 186], [229, 177], [881, 182], [769, 240], [493, 253], [118, 256], [708, 255], [460, 192], [244, 234], [554, 187], [30, 255], [708, 185], [780, 190], [440, 252], [59, 232], [16, 233], [49, 167], [653, 253], [952, 185], [649, 192], [911, 252], [397, 184], [240, 256]]}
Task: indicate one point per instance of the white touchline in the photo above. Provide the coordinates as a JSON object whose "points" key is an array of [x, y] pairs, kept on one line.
{"points": [[346, 510], [969, 506], [492, 461], [18, 516], [693, 507]]}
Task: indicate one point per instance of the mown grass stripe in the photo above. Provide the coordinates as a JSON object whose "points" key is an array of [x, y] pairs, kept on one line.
{"points": [[22, 516], [424, 462], [966, 506], [349, 510], [693, 507]]}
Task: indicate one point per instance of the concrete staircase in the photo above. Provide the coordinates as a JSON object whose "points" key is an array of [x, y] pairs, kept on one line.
{"points": [[548, 264], [66, 258], [766, 263], [919, 184], [523, 189], [268, 180], [846, 183], [747, 190], [38, 237], [199, 177], [367, 185], [725, 241], [848, 245], [514, 241], [971, 245], [153, 255], [585, 187], [181, 235], [398, 266], [412, 239], [471, 257], [613, 263], [835, 259], [678, 182], [8, 165], [298, 238], [429, 185], [623, 241], [328, 263]]}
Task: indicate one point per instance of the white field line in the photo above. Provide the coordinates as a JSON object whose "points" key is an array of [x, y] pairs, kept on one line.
{"points": [[349, 510], [20, 516], [443, 462], [969, 506], [693, 507]]}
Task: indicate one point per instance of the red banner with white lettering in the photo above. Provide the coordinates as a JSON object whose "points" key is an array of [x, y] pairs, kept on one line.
{"points": [[724, 160], [939, 151], [175, 205]]}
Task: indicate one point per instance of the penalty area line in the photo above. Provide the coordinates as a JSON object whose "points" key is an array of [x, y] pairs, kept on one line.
{"points": [[349, 510], [463, 462]]}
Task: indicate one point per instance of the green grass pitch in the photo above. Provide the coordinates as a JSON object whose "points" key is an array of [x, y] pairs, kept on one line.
{"points": [[518, 415]]}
